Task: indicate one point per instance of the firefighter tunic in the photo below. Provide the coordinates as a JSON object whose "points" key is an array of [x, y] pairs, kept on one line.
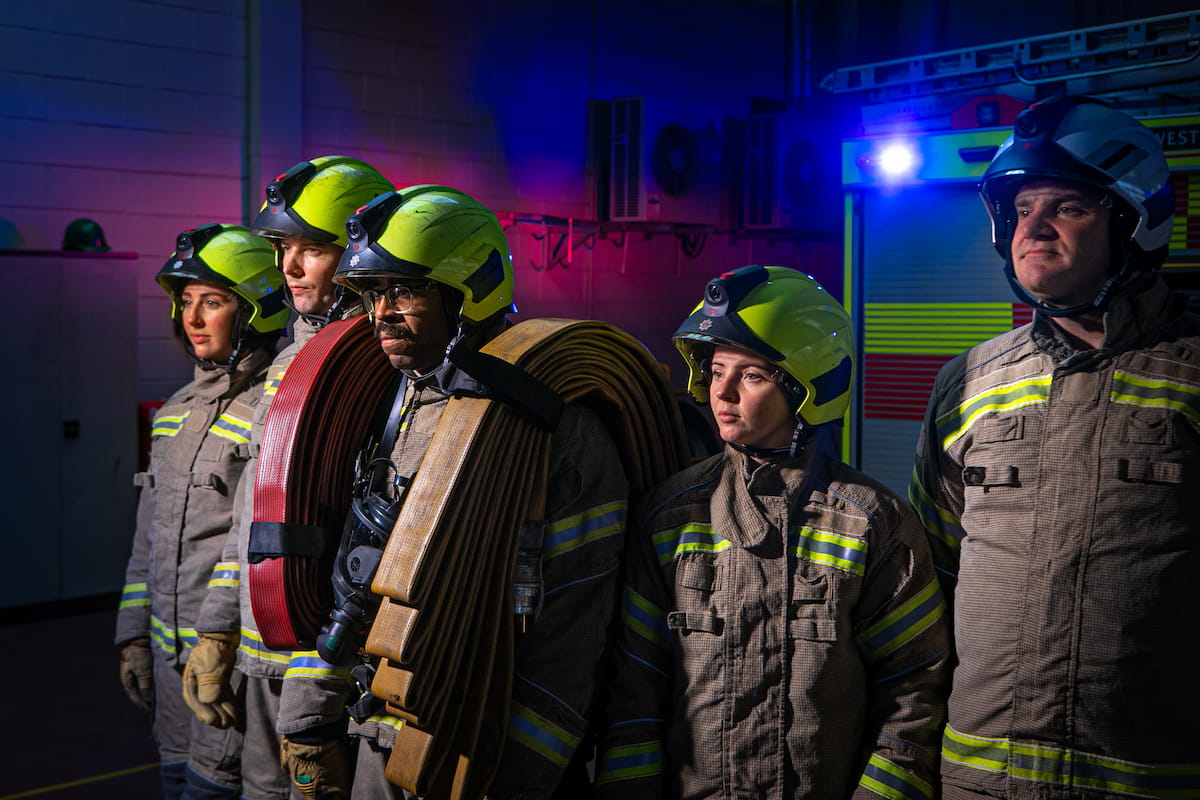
{"points": [[199, 447], [227, 606], [558, 660], [782, 636], [1059, 490]]}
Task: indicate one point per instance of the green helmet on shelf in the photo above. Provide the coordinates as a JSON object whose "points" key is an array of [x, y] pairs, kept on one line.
{"points": [[785, 317], [86, 235]]}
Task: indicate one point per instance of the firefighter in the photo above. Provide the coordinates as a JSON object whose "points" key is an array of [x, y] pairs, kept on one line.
{"points": [[1057, 473], [434, 271], [304, 218], [227, 303], [783, 632]]}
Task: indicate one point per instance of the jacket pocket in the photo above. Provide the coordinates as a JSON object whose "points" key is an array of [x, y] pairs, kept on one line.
{"points": [[811, 614]]}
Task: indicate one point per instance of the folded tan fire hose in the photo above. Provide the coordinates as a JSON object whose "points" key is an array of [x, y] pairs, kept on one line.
{"points": [[445, 625], [303, 484]]}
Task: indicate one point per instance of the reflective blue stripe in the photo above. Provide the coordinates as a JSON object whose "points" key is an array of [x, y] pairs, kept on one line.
{"points": [[847, 553], [162, 635], [903, 624], [645, 619], [696, 537], [168, 426], [630, 762], [1066, 767], [888, 779], [1136, 390], [225, 574], [938, 522], [232, 428], [307, 664], [582, 529], [541, 735], [134, 595], [252, 645]]}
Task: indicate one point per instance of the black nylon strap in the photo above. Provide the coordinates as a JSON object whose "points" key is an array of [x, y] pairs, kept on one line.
{"points": [[507, 382], [276, 539]]}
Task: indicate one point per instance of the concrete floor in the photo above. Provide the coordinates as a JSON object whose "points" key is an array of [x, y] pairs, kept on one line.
{"points": [[67, 730]]}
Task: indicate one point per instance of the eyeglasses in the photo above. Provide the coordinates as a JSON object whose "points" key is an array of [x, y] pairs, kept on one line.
{"points": [[399, 296]]}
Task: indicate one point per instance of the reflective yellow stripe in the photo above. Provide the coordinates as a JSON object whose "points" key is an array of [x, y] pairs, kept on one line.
{"points": [[907, 622], [938, 522], [235, 429], [168, 426], [954, 424], [1135, 390], [888, 779], [847, 553], [542, 736], [1066, 767]]}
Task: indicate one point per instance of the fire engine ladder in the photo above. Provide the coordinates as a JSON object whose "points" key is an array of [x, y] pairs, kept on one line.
{"points": [[1169, 44]]}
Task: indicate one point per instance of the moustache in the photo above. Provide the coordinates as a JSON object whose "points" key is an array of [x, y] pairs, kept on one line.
{"points": [[384, 330]]}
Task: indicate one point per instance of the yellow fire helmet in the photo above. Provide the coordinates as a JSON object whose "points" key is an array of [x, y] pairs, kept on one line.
{"points": [[437, 233], [228, 255], [785, 317], [313, 199]]}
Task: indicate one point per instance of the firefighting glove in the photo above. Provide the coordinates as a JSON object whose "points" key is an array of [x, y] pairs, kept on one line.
{"points": [[318, 771], [137, 672], [206, 687]]}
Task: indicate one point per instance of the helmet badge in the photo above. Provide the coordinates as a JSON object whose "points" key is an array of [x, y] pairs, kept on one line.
{"points": [[705, 324]]}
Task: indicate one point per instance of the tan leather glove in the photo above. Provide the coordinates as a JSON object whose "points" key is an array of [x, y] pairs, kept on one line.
{"points": [[318, 771], [137, 672], [206, 687]]}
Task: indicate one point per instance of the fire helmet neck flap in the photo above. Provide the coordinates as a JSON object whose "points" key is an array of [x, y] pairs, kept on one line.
{"points": [[434, 233], [1085, 141], [785, 317], [230, 256]]}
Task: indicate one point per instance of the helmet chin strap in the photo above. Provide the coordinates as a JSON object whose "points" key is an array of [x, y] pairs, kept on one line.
{"points": [[799, 439]]}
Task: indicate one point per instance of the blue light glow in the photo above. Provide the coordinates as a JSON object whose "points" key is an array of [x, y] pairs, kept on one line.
{"points": [[897, 160]]}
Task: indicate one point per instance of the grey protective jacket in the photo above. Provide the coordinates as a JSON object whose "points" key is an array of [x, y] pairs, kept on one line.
{"points": [[227, 606], [558, 660], [783, 636], [199, 447], [1059, 489]]}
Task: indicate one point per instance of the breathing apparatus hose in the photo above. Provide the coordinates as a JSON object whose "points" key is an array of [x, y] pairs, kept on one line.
{"points": [[444, 629]]}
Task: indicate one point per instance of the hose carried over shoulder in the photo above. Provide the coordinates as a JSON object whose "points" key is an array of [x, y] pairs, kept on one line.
{"points": [[317, 422], [444, 628]]}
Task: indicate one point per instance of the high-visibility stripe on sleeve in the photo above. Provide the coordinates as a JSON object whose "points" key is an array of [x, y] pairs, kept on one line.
{"points": [[134, 595], [583, 529], [162, 635], [846, 553], [307, 664], [630, 762], [386, 720], [235, 429], [252, 645], [271, 386], [1136, 390], [226, 574], [888, 779], [695, 537], [903, 624], [954, 424], [542, 736], [168, 425], [645, 619], [938, 522], [1066, 767]]}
